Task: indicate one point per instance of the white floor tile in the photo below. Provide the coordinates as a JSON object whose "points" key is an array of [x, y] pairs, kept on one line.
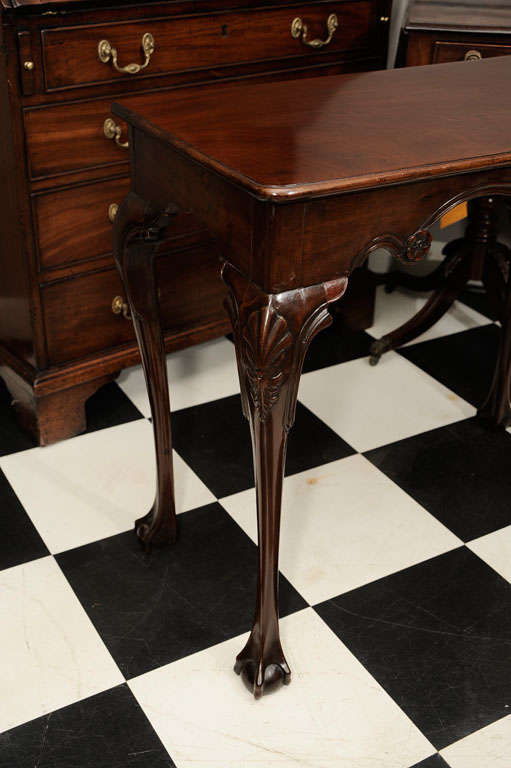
{"points": [[95, 485], [196, 375], [488, 748], [343, 525], [372, 406], [495, 549], [333, 713], [51, 654], [395, 309]]}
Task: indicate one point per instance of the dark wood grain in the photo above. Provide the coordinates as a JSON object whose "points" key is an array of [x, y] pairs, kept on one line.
{"points": [[290, 239], [444, 51], [57, 330], [15, 295], [272, 334], [137, 238], [73, 224], [202, 41], [78, 312], [281, 141], [427, 40]]}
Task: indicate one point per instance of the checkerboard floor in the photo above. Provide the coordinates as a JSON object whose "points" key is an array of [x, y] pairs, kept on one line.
{"points": [[395, 569]]}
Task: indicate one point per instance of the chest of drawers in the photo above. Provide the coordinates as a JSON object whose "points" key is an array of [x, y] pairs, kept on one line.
{"points": [[64, 168], [441, 31]]}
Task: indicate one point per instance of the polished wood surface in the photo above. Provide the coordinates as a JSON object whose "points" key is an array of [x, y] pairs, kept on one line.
{"points": [[61, 174], [201, 42], [280, 287], [281, 140]]}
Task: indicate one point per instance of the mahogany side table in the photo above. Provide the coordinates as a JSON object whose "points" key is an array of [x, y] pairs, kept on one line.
{"points": [[298, 182]]}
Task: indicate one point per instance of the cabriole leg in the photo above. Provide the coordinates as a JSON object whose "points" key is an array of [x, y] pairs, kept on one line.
{"points": [[272, 333], [137, 235], [497, 280]]}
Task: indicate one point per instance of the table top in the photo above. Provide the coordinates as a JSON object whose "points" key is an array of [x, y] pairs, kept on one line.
{"points": [[303, 138]]}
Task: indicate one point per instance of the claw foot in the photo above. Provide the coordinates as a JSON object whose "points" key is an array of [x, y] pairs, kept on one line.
{"points": [[377, 349], [152, 530], [262, 671]]}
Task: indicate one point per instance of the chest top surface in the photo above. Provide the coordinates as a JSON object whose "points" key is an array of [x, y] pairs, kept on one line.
{"points": [[61, 4], [490, 15], [334, 134]]}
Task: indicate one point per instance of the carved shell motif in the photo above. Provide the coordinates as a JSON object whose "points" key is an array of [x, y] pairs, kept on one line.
{"points": [[266, 345]]}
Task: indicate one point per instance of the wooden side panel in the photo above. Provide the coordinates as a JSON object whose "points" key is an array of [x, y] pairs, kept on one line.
{"points": [[225, 213], [330, 250], [419, 48], [15, 321]]}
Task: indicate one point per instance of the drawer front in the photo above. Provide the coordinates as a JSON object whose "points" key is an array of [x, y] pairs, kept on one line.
{"points": [[71, 54], [78, 312], [74, 225], [444, 52]]}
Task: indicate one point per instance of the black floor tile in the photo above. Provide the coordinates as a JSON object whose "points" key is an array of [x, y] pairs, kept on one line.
{"points": [[109, 407], [437, 637], [478, 300], [12, 438], [20, 541], [214, 440], [435, 761], [460, 473], [336, 344], [108, 730], [153, 609], [464, 362]]}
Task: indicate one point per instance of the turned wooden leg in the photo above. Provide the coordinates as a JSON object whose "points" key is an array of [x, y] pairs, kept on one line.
{"points": [[456, 273], [137, 235], [272, 333], [497, 280], [409, 281], [463, 262]]}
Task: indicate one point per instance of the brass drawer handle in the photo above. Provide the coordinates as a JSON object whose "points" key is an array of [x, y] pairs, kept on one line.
{"points": [[113, 131], [299, 29], [106, 52], [473, 55], [121, 307], [112, 211]]}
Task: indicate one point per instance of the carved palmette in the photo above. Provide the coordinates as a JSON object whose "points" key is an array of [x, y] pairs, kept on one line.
{"points": [[418, 245], [267, 344]]}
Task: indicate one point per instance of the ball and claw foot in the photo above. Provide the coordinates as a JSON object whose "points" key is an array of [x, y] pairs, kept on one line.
{"points": [[159, 535], [262, 675], [377, 349]]}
